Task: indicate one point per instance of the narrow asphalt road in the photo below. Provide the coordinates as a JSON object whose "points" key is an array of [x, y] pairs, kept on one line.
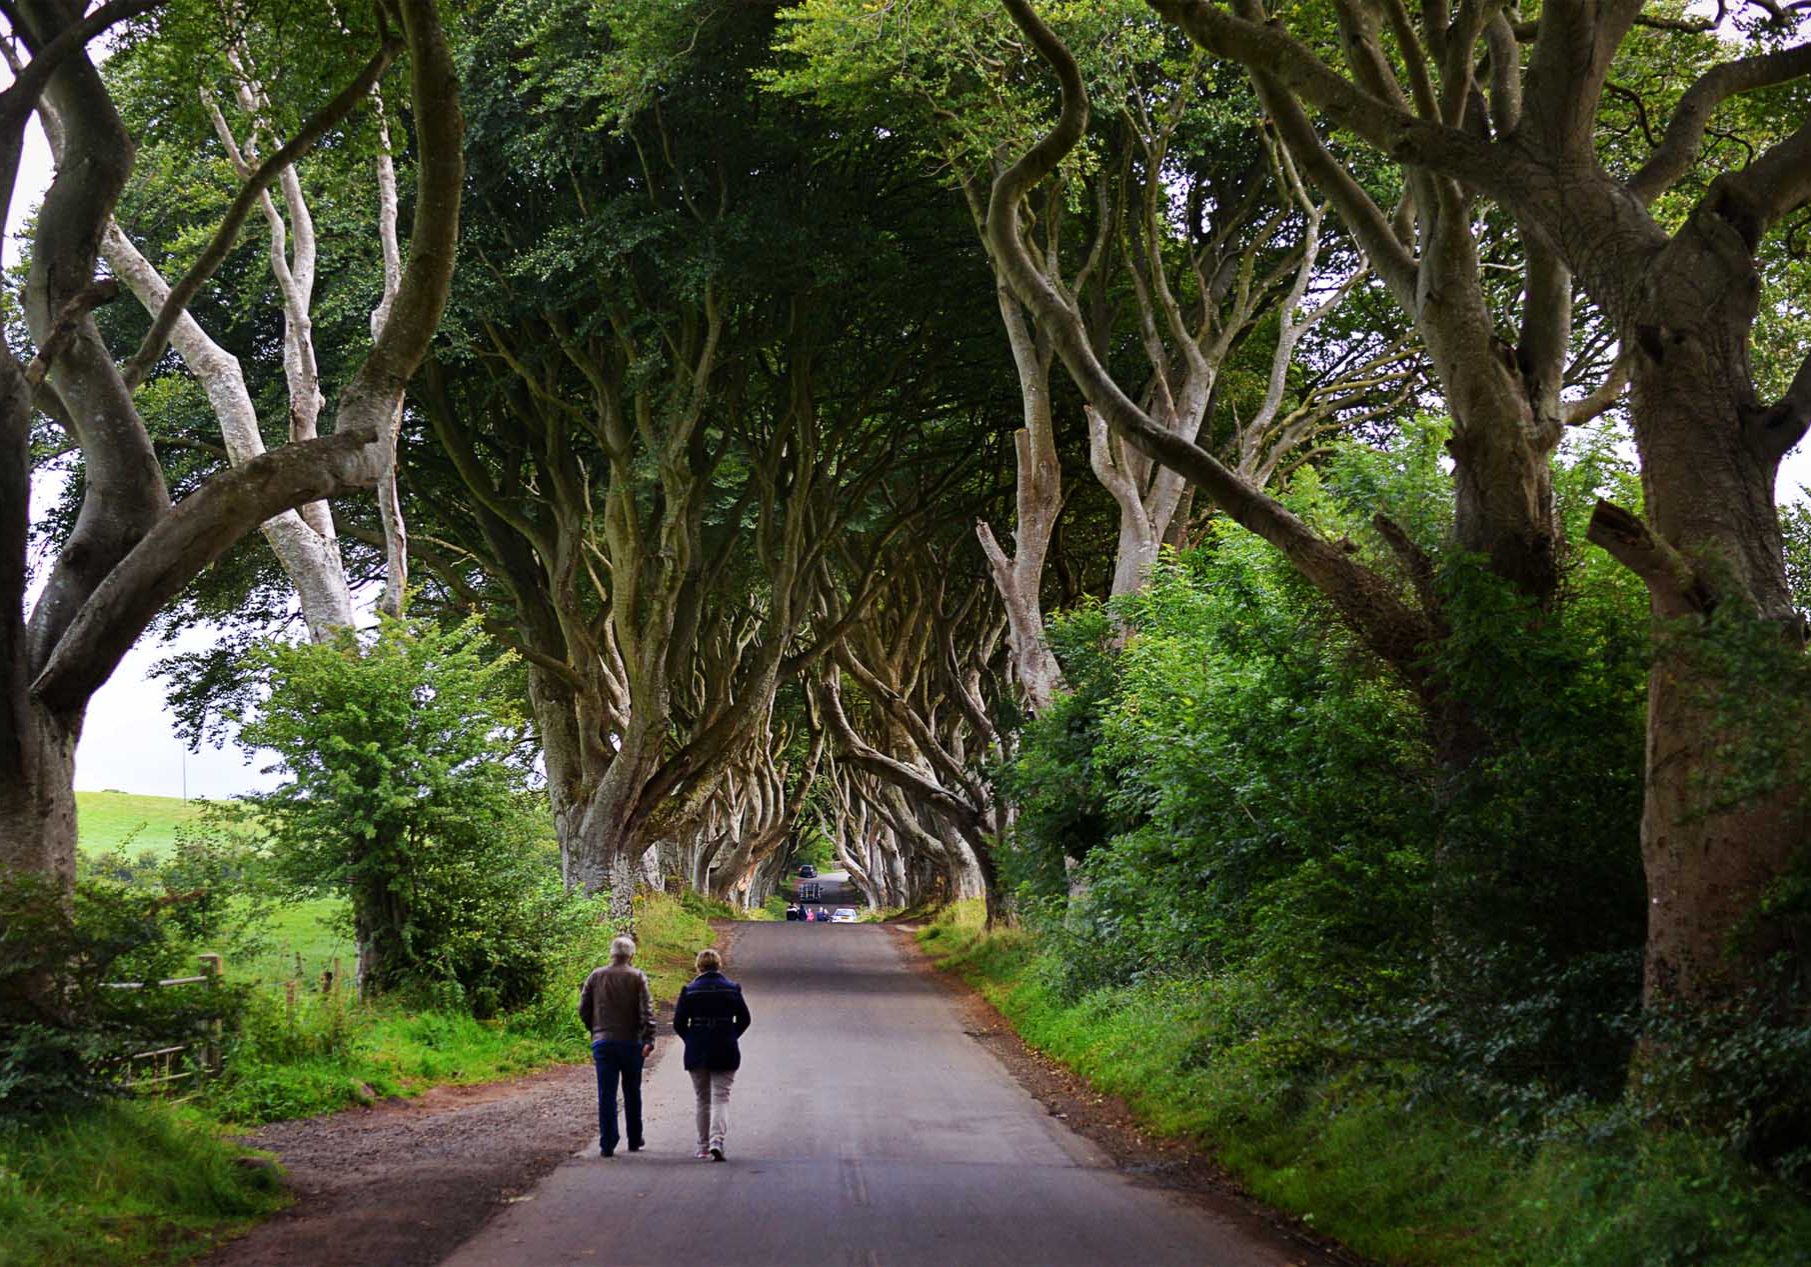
{"points": [[865, 1128]]}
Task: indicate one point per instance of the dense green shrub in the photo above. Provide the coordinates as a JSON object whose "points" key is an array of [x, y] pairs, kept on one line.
{"points": [[1393, 978], [1248, 792], [66, 1025], [407, 794]]}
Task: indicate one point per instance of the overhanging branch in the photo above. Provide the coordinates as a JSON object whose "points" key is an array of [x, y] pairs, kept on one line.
{"points": [[297, 147], [197, 531], [1390, 627], [21, 96], [1675, 586], [1685, 130]]}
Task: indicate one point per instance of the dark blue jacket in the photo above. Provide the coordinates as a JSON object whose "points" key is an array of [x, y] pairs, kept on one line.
{"points": [[710, 1018]]}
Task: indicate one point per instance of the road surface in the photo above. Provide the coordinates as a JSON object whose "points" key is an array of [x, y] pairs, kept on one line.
{"points": [[867, 1129]]}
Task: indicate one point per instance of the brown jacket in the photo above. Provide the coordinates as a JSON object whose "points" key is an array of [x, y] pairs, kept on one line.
{"points": [[614, 1004]]}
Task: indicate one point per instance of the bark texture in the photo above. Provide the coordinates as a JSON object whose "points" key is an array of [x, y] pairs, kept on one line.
{"points": [[130, 550], [1513, 118], [1038, 501]]}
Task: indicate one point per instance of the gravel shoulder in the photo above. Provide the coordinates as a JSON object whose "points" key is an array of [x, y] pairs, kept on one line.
{"points": [[400, 1184]]}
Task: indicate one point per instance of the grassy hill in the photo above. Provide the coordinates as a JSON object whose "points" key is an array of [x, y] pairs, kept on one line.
{"points": [[107, 820], [302, 931]]}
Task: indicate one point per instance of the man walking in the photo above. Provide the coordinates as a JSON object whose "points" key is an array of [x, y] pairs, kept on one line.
{"points": [[710, 1017], [615, 1005]]}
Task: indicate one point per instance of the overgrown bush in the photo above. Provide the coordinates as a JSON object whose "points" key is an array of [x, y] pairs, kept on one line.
{"points": [[1402, 1168], [124, 1183], [1235, 787], [66, 1023], [1739, 1074], [408, 794], [586, 945]]}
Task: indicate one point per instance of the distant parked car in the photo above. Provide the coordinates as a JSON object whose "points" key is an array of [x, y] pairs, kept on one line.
{"points": [[807, 871], [843, 915]]}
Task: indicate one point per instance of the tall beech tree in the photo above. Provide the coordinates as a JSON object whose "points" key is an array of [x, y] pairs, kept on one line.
{"points": [[1683, 296], [1188, 244], [195, 91], [666, 403], [130, 549], [1475, 106]]}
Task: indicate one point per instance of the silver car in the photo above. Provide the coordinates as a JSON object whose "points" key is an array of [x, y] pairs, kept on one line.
{"points": [[843, 915]]}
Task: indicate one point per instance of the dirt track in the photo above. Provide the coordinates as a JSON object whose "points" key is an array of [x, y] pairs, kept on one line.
{"points": [[401, 1184]]}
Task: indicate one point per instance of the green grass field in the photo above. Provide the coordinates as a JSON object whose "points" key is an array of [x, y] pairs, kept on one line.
{"points": [[305, 932], [109, 820], [308, 933]]}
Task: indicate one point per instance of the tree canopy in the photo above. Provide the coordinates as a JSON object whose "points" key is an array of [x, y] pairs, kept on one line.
{"points": [[1280, 492]]}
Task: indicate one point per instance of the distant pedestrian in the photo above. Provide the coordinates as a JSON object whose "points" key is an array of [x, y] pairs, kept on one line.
{"points": [[710, 1017], [615, 1005]]}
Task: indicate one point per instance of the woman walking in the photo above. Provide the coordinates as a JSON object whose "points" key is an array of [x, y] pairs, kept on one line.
{"points": [[710, 1017]]}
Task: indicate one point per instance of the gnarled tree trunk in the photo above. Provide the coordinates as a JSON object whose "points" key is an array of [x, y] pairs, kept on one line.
{"points": [[130, 551], [1712, 543]]}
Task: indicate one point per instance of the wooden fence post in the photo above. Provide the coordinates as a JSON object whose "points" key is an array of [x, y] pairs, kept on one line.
{"points": [[213, 968]]}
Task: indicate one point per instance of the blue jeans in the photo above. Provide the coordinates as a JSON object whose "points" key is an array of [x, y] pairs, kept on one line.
{"points": [[616, 1060]]}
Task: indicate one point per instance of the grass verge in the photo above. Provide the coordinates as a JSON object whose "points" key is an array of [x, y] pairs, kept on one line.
{"points": [[331, 1052], [1367, 1156], [124, 1183], [148, 1182]]}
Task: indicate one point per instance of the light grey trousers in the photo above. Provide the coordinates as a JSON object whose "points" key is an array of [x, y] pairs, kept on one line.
{"points": [[712, 1088]]}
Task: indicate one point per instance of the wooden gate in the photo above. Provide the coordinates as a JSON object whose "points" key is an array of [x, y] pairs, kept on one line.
{"points": [[163, 1069]]}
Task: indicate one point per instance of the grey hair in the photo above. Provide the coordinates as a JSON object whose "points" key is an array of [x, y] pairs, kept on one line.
{"points": [[622, 948]]}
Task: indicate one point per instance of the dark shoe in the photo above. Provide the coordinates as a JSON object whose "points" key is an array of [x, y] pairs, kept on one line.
{"points": [[607, 1152], [636, 1146], [716, 1152]]}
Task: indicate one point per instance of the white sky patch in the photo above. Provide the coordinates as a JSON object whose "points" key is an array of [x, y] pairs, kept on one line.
{"points": [[1795, 476]]}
